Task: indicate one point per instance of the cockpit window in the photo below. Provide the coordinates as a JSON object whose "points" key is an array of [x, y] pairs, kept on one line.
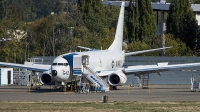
{"points": [[60, 64], [66, 64]]}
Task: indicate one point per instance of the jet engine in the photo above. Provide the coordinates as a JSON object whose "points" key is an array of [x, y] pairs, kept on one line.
{"points": [[46, 78], [117, 78]]}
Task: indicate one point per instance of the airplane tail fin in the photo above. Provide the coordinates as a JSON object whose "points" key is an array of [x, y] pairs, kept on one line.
{"points": [[117, 43]]}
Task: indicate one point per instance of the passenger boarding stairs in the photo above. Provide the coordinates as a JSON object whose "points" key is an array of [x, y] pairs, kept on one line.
{"points": [[98, 83], [81, 68]]}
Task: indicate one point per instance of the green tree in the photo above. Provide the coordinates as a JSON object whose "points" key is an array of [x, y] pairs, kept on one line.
{"points": [[141, 22], [2, 8], [196, 1], [48, 33], [45, 7], [133, 25], [92, 14], [21, 15], [182, 23], [179, 48], [28, 10], [104, 43], [137, 46], [111, 15]]}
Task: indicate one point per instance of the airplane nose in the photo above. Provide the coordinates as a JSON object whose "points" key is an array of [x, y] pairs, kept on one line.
{"points": [[54, 73]]}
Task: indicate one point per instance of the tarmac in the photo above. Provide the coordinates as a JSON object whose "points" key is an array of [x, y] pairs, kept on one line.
{"points": [[124, 93]]}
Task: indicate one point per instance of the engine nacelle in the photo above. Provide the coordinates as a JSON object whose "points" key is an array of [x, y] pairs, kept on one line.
{"points": [[46, 78], [117, 78]]}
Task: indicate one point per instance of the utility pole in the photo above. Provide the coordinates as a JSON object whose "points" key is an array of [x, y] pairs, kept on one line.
{"points": [[53, 42]]}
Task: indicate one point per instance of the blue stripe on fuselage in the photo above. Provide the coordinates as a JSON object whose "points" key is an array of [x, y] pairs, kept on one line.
{"points": [[69, 58]]}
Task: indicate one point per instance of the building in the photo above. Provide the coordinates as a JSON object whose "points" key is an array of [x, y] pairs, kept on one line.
{"points": [[6, 76]]}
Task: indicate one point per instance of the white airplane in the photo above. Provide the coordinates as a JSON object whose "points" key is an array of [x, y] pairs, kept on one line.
{"points": [[100, 67]]}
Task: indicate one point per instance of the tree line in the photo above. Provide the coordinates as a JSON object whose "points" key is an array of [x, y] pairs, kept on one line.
{"points": [[54, 27]]}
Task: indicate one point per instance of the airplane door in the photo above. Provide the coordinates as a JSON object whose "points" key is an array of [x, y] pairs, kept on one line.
{"points": [[85, 59], [77, 65], [78, 61]]}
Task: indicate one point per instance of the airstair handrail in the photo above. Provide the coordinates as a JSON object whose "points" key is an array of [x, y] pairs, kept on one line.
{"points": [[91, 71]]}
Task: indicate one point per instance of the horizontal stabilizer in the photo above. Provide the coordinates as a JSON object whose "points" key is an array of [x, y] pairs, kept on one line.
{"points": [[86, 48], [144, 51]]}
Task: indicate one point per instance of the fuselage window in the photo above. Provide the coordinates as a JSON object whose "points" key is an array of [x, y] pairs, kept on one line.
{"points": [[54, 64], [60, 64]]}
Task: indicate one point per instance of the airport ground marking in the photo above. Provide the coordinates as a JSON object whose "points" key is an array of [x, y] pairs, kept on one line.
{"points": [[128, 88], [149, 89]]}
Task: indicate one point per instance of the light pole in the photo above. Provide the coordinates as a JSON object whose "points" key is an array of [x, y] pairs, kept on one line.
{"points": [[53, 43]]}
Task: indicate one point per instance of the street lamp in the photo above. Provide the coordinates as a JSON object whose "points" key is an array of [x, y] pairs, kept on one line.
{"points": [[52, 13], [3, 39], [53, 43]]}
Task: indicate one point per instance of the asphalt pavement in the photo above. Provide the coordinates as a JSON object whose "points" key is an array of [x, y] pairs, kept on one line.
{"points": [[124, 93]]}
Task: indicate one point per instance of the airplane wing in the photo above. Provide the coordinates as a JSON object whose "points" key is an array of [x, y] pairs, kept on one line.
{"points": [[143, 51], [156, 68], [145, 69], [32, 67]]}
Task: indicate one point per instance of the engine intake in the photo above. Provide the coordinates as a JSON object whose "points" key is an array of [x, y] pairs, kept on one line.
{"points": [[46, 79], [114, 79], [117, 78]]}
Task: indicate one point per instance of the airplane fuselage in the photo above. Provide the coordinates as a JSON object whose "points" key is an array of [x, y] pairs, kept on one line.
{"points": [[104, 60], [98, 61]]}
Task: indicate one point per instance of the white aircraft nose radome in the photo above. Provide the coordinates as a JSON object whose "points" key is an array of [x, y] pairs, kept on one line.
{"points": [[60, 68]]}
